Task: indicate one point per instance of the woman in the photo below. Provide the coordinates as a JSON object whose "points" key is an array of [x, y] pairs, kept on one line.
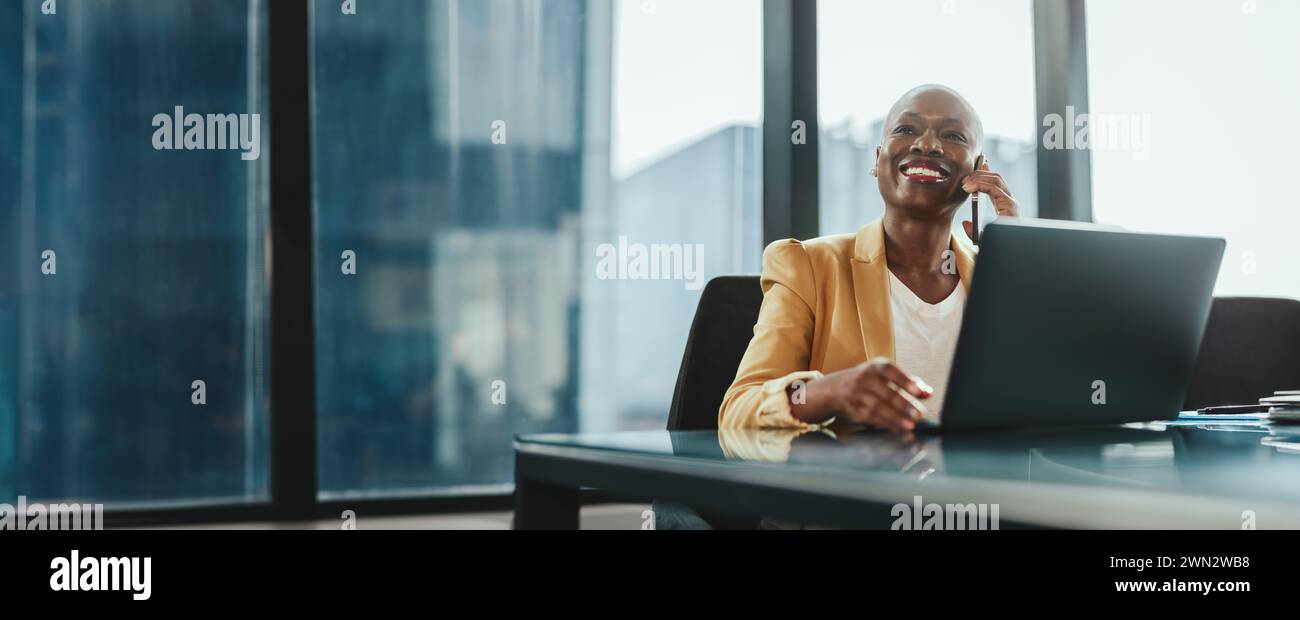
{"points": [[859, 327]]}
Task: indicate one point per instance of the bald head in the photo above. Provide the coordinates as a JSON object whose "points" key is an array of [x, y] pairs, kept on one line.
{"points": [[931, 142], [937, 100]]}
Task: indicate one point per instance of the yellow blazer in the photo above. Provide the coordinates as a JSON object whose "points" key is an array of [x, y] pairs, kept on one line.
{"points": [[825, 308]]}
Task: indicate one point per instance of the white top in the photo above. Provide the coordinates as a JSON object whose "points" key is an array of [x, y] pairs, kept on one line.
{"points": [[925, 337]]}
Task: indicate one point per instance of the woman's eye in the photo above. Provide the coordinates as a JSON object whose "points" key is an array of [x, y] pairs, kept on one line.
{"points": [[952, 135], [904, 129]]}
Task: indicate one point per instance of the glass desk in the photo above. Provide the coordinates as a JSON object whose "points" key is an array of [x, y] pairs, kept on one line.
{"points": [[1158, 475]]}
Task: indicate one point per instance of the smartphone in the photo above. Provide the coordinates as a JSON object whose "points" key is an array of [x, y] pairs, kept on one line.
{"points": [[975, 208]]}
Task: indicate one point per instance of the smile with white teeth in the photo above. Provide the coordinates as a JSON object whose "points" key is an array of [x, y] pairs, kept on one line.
{"points": [[929, 172]]}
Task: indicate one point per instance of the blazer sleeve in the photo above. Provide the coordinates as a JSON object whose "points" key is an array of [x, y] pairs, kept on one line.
{"points": [[780, 351]]}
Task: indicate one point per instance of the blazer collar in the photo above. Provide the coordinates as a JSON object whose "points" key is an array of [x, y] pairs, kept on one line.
{"points": [[871, 285]]}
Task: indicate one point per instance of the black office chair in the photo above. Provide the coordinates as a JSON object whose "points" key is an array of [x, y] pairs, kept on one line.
{"points": [[720, 333], [1251, 348], [724, 323]]}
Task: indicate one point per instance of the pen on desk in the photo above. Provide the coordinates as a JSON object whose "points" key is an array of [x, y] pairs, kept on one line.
{"points": [[1232, 409]]}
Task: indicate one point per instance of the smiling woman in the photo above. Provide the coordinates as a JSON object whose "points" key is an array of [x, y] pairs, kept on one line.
{"points": [[848, 313], [963, 40], [931, 133]]}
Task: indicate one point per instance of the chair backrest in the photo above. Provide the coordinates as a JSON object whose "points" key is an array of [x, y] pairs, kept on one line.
{"points": [[1251, 348], [720, 333]]}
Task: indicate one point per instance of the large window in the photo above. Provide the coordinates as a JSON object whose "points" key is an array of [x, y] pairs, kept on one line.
{"points": [[133, 362], [1201, 123], [870, 53], [486, 174], [516, 206]]}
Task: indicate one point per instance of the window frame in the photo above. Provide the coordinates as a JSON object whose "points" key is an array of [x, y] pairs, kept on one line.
{"points": [[790, 204]]}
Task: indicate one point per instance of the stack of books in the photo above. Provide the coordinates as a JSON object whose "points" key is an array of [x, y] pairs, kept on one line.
{"points": [[1283, 406]]}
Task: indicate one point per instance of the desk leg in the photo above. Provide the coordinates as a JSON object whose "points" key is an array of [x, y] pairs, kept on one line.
{"points": [[542, 506]]}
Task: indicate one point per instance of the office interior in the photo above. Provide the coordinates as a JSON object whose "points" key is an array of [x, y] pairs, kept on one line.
{"points": [[415, 248]]}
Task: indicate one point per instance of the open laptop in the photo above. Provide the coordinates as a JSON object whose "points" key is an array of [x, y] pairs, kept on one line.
{"points": [[1078, 324]]}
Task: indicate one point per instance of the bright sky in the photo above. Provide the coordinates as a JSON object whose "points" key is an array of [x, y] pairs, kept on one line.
{"points": [[1222, 86], [682, 69], [870, 53]]}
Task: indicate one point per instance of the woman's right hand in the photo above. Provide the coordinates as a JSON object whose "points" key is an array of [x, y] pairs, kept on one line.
{"points": [[876, 393]]}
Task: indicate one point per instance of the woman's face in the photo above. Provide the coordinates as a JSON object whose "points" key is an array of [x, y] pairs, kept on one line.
{"points": [[931, 139]]}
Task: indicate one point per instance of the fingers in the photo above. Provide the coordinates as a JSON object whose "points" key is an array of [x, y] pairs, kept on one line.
{"points": [[887, 397], [873, 409], [995, 186], [914, 385], [906, 404], [983, 181], [895, 408], [1004, 203]]}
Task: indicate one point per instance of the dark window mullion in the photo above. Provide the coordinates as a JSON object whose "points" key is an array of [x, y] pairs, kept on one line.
{"points": [[1061, 80], [790, 174], [293, 351]]}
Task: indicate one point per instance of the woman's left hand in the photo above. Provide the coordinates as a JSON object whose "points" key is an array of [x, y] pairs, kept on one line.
{"points": [[992, 184]]}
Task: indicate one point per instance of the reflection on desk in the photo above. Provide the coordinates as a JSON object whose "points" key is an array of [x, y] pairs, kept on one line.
{"points": [[1217, 458], [1149, 475]]}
